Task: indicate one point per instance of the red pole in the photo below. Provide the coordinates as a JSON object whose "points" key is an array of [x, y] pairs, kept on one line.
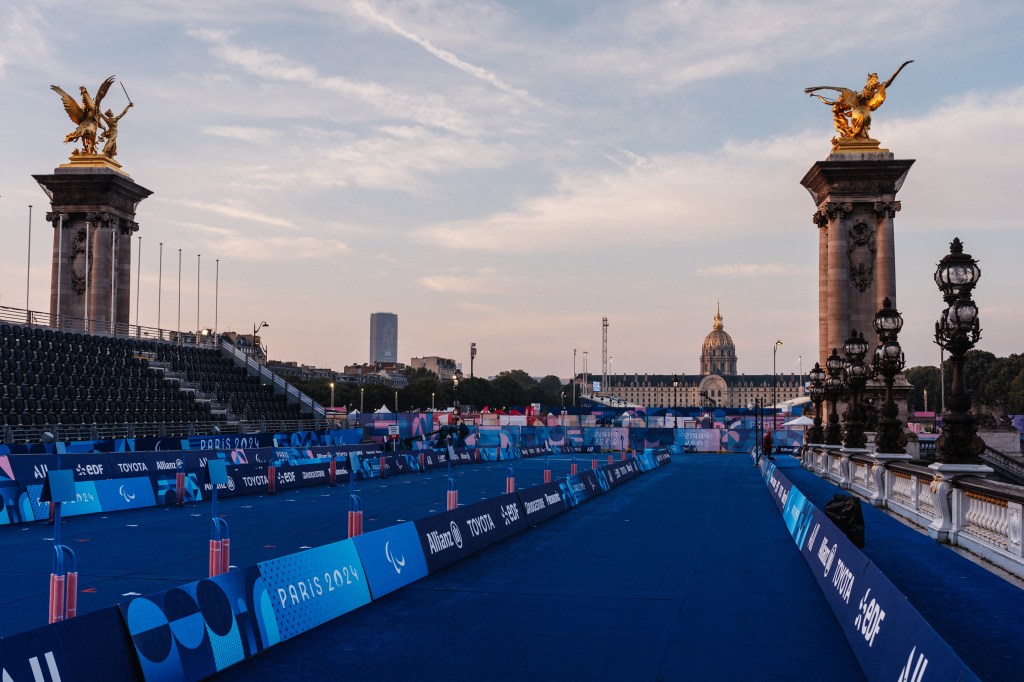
{"points": [[624, 455], [56, 597], [453, 499], [547, 475], [423, 463], [225, 555], [214, 558], [334, 469], [611, 458], [272, 479], [72, 598], [510, 485], [179, 488], [593, 463], [381, 466]]}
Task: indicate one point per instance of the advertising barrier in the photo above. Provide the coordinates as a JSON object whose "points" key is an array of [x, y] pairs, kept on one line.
{"points": [[620, 472], [94, 647], [312, 587], [391, 557], [889, 637], [581, 487], [449, 536], [541, 502]]}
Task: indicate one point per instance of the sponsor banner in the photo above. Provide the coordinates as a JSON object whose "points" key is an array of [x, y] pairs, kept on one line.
{"points": [[646, 460], [93, 647], [541, 502], [889, 637], [620, 472], [125, 493], [698, 440], [583, 486], [312, 587], [230, 442], [662, 456], [535, 451], [465, 456], [391, 557], [449, 536], [433, 459], [196, 630], [305, 474]]}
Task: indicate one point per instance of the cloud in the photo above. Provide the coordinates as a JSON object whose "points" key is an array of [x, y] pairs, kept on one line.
{"points": [[243, 214], [483, 281], [367, 11], [242, 246], [753, 270], [242, 133], [428, 110]]}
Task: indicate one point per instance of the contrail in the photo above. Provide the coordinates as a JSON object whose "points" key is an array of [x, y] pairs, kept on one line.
{"points": [[368, 12]]}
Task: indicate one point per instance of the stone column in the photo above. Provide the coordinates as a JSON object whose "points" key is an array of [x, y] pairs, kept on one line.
{"points": [[102, 201]]}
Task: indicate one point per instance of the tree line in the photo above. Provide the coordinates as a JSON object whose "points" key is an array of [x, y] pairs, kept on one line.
{"points": [[996, 384], [509, 389]]}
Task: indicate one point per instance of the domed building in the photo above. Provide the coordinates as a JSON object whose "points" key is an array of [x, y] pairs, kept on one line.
{"points": [[718, 354], [719, 383]]}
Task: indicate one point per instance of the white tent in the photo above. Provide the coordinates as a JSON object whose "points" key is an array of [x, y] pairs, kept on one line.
{"points": [[800, 421], [383, 410]]}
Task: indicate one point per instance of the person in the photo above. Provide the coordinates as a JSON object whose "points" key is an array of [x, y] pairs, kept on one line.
{"points": [[110, 134], [463, 433], [766, 444]]}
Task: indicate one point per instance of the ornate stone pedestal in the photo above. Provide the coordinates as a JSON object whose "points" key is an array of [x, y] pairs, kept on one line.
{"points": [[854, 192], [93, 206], [942, 486], [878, 482]]}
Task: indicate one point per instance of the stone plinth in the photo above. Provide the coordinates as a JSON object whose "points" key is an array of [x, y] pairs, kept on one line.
{"points": [[91, 207]]}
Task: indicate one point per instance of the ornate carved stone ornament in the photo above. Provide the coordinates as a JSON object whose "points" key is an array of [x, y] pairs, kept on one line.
{"points": [[861, 253], [887, 208]]}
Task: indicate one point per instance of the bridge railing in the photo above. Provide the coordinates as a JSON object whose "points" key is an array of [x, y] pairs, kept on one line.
{"points": [[980, 515]]}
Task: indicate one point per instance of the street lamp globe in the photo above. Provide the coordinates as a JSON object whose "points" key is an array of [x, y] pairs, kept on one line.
{"points": [[957, 273]]}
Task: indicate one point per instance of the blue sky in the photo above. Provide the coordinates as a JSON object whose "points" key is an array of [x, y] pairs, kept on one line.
{"points": [[510, 173]]}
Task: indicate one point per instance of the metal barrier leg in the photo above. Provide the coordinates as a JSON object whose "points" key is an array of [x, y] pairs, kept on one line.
{"points": [[381, 466], [56, 597], [611, 459], [593, 463], [272, 479], [510, 482], [453, 494], [572, 467], [333, 470], [215, 550], [71, 601], [179, 489], [355, 516], [225, 555]]}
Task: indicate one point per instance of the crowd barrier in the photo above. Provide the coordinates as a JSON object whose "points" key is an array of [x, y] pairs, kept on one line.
{"points": [[889, 637], [193, 631]]}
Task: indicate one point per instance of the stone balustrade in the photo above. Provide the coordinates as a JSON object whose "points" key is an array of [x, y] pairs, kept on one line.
{"points": [[979, 515]]}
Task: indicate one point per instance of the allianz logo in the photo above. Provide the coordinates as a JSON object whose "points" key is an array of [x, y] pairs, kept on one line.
{"points": [[439, 542], [164, 466]]}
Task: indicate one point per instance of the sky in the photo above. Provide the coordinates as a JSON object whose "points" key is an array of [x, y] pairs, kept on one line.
{"points": [[510, 173]]}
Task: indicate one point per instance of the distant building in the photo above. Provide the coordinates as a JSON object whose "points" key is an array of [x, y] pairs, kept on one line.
{"points": [[446, 369], [248, 344], [386, 373], [383, 338], [718, 385]]}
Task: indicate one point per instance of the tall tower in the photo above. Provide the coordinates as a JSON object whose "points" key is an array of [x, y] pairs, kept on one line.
{"points": [[855, 202], [604, 353], [383, 337], [93, 215], [718, 353]]}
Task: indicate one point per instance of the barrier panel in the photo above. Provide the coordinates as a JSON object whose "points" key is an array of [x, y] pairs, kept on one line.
{"points": [[581, 487], [452, 535], [391, 557], [196, 630], [312, 587], [620, 472], [94, 647], [889, 637], [541, 502], [534, 451]]}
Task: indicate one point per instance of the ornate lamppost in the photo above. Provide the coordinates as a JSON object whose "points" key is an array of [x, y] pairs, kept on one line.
{"points": [[833, 392], [856, 375], [455, 385], [817, 376], [889, 361], [957, 331]]}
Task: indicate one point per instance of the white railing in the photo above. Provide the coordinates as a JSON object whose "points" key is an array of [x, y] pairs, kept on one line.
{"points": [[294, 395], [67, 323], [982, 516]]}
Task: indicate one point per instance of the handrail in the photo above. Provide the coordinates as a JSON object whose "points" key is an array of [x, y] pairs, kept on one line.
{"points": [[69, 323]]}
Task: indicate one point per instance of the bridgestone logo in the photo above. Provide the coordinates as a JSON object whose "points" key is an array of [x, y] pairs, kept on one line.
{"points": [[534, 506], [313, 474]]}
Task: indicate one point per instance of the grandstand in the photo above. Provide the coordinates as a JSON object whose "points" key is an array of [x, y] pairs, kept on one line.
{"points": [[65, 384]]}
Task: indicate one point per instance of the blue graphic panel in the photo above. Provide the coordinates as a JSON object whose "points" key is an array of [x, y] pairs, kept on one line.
{"points": [[312, 587], [196, 630], [391, 557], [125, 493]]}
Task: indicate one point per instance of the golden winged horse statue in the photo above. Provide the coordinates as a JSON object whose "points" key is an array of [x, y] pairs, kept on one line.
{"points": [[88, 117]]}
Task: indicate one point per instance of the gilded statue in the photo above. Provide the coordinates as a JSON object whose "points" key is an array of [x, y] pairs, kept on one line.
{"points": [[110, 134], [87, 117], [851, 110]]}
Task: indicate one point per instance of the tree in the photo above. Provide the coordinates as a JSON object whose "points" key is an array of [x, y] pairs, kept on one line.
{"points": [[924, 379]]}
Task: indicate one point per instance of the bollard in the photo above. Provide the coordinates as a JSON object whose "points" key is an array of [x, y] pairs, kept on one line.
{"points": [[179, 489], [510, 482], [220, 547], [333, 472], [593, 463], [381, 465], [272, 478], [611, 459], [625, 455], [423, 462], [572, 467], [453, 494], [547, 475], [355, 516]]}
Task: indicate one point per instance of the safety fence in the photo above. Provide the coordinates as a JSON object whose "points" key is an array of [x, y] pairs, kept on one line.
{"points": [[194, 631], [889, 637]]}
